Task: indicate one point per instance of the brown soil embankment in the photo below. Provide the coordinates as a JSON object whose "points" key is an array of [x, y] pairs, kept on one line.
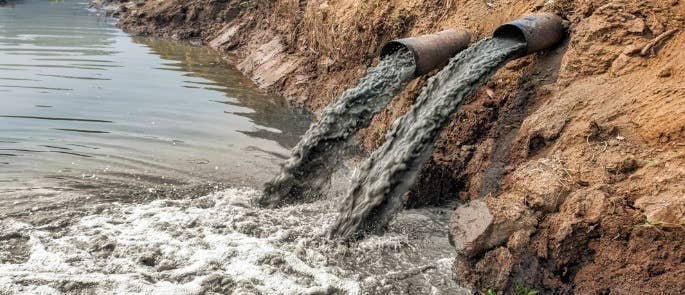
{"points": [[572, 160]]}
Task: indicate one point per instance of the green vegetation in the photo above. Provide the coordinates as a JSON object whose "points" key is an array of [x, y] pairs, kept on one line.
{"points": [[650, 224], [523, 290], [247, 4], [659, 224]]}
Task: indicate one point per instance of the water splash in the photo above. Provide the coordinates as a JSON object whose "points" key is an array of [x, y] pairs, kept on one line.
{"points": [[324, 146], [222, 244], [389, 172]]}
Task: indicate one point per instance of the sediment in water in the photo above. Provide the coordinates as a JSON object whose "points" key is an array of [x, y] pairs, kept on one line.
{"points": [[323, 147], [388, 173]]}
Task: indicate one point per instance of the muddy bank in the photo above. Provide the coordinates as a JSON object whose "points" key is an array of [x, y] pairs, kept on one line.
{"points": [[574, 156]]}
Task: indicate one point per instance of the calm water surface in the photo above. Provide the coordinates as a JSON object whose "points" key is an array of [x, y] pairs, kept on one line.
{"points": [[84, 104]]}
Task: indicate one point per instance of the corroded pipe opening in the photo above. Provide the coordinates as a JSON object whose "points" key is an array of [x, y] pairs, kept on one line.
{"points": [[538, 31], [431, 51]]}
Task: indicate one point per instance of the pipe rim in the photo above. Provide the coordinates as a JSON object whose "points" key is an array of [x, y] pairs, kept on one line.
{"points": [[392, 47], [430, 51], [538, 31], [511, 31], [395, 45]]}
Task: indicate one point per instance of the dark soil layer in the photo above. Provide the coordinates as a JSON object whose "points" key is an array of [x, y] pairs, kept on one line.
{"points": [[570, 162]]}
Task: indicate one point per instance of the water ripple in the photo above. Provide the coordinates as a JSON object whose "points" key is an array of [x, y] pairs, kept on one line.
{"points": [[56, 119]]}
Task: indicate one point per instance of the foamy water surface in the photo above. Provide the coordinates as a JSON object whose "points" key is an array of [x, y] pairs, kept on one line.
{"points": [[219, 244]]}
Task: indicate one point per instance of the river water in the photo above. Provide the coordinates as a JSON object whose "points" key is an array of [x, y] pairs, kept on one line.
{"points": [[82, 104], [132, 166]]}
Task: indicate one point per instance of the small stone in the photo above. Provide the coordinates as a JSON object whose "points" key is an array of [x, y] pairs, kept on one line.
{"points": [[666, 72], [483, 224], [469, 223], [636, 25], [490, 93], [623, 166], [540, 4]]}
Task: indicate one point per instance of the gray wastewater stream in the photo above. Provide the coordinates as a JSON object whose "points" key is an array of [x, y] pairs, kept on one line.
{"points": [[85, 106], [104, 138]]}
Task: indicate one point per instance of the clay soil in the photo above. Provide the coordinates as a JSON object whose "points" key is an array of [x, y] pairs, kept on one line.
{"points": [[572, 159]]}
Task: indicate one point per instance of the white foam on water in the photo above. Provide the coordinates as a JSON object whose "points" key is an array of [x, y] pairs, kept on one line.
{"points": [[216, 244]]}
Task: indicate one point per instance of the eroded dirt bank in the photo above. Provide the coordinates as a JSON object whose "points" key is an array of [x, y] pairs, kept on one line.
{"points": [[570, 162]]}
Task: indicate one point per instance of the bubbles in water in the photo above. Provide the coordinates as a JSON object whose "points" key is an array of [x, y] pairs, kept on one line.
{"points": [[219, 243]]}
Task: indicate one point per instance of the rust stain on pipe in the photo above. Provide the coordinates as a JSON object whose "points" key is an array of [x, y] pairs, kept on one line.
{"points": [[431, 51], [539, 31]]}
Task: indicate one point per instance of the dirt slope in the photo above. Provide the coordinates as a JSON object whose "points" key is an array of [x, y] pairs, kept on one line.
{"points": [[573, 160]]}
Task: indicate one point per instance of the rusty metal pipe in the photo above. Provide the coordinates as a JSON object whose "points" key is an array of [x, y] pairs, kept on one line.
{"points": [[431, 51], [538, 31]]}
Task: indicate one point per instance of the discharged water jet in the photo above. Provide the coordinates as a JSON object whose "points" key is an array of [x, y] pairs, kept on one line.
{"points": [[323, 147], [378, 185]]}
